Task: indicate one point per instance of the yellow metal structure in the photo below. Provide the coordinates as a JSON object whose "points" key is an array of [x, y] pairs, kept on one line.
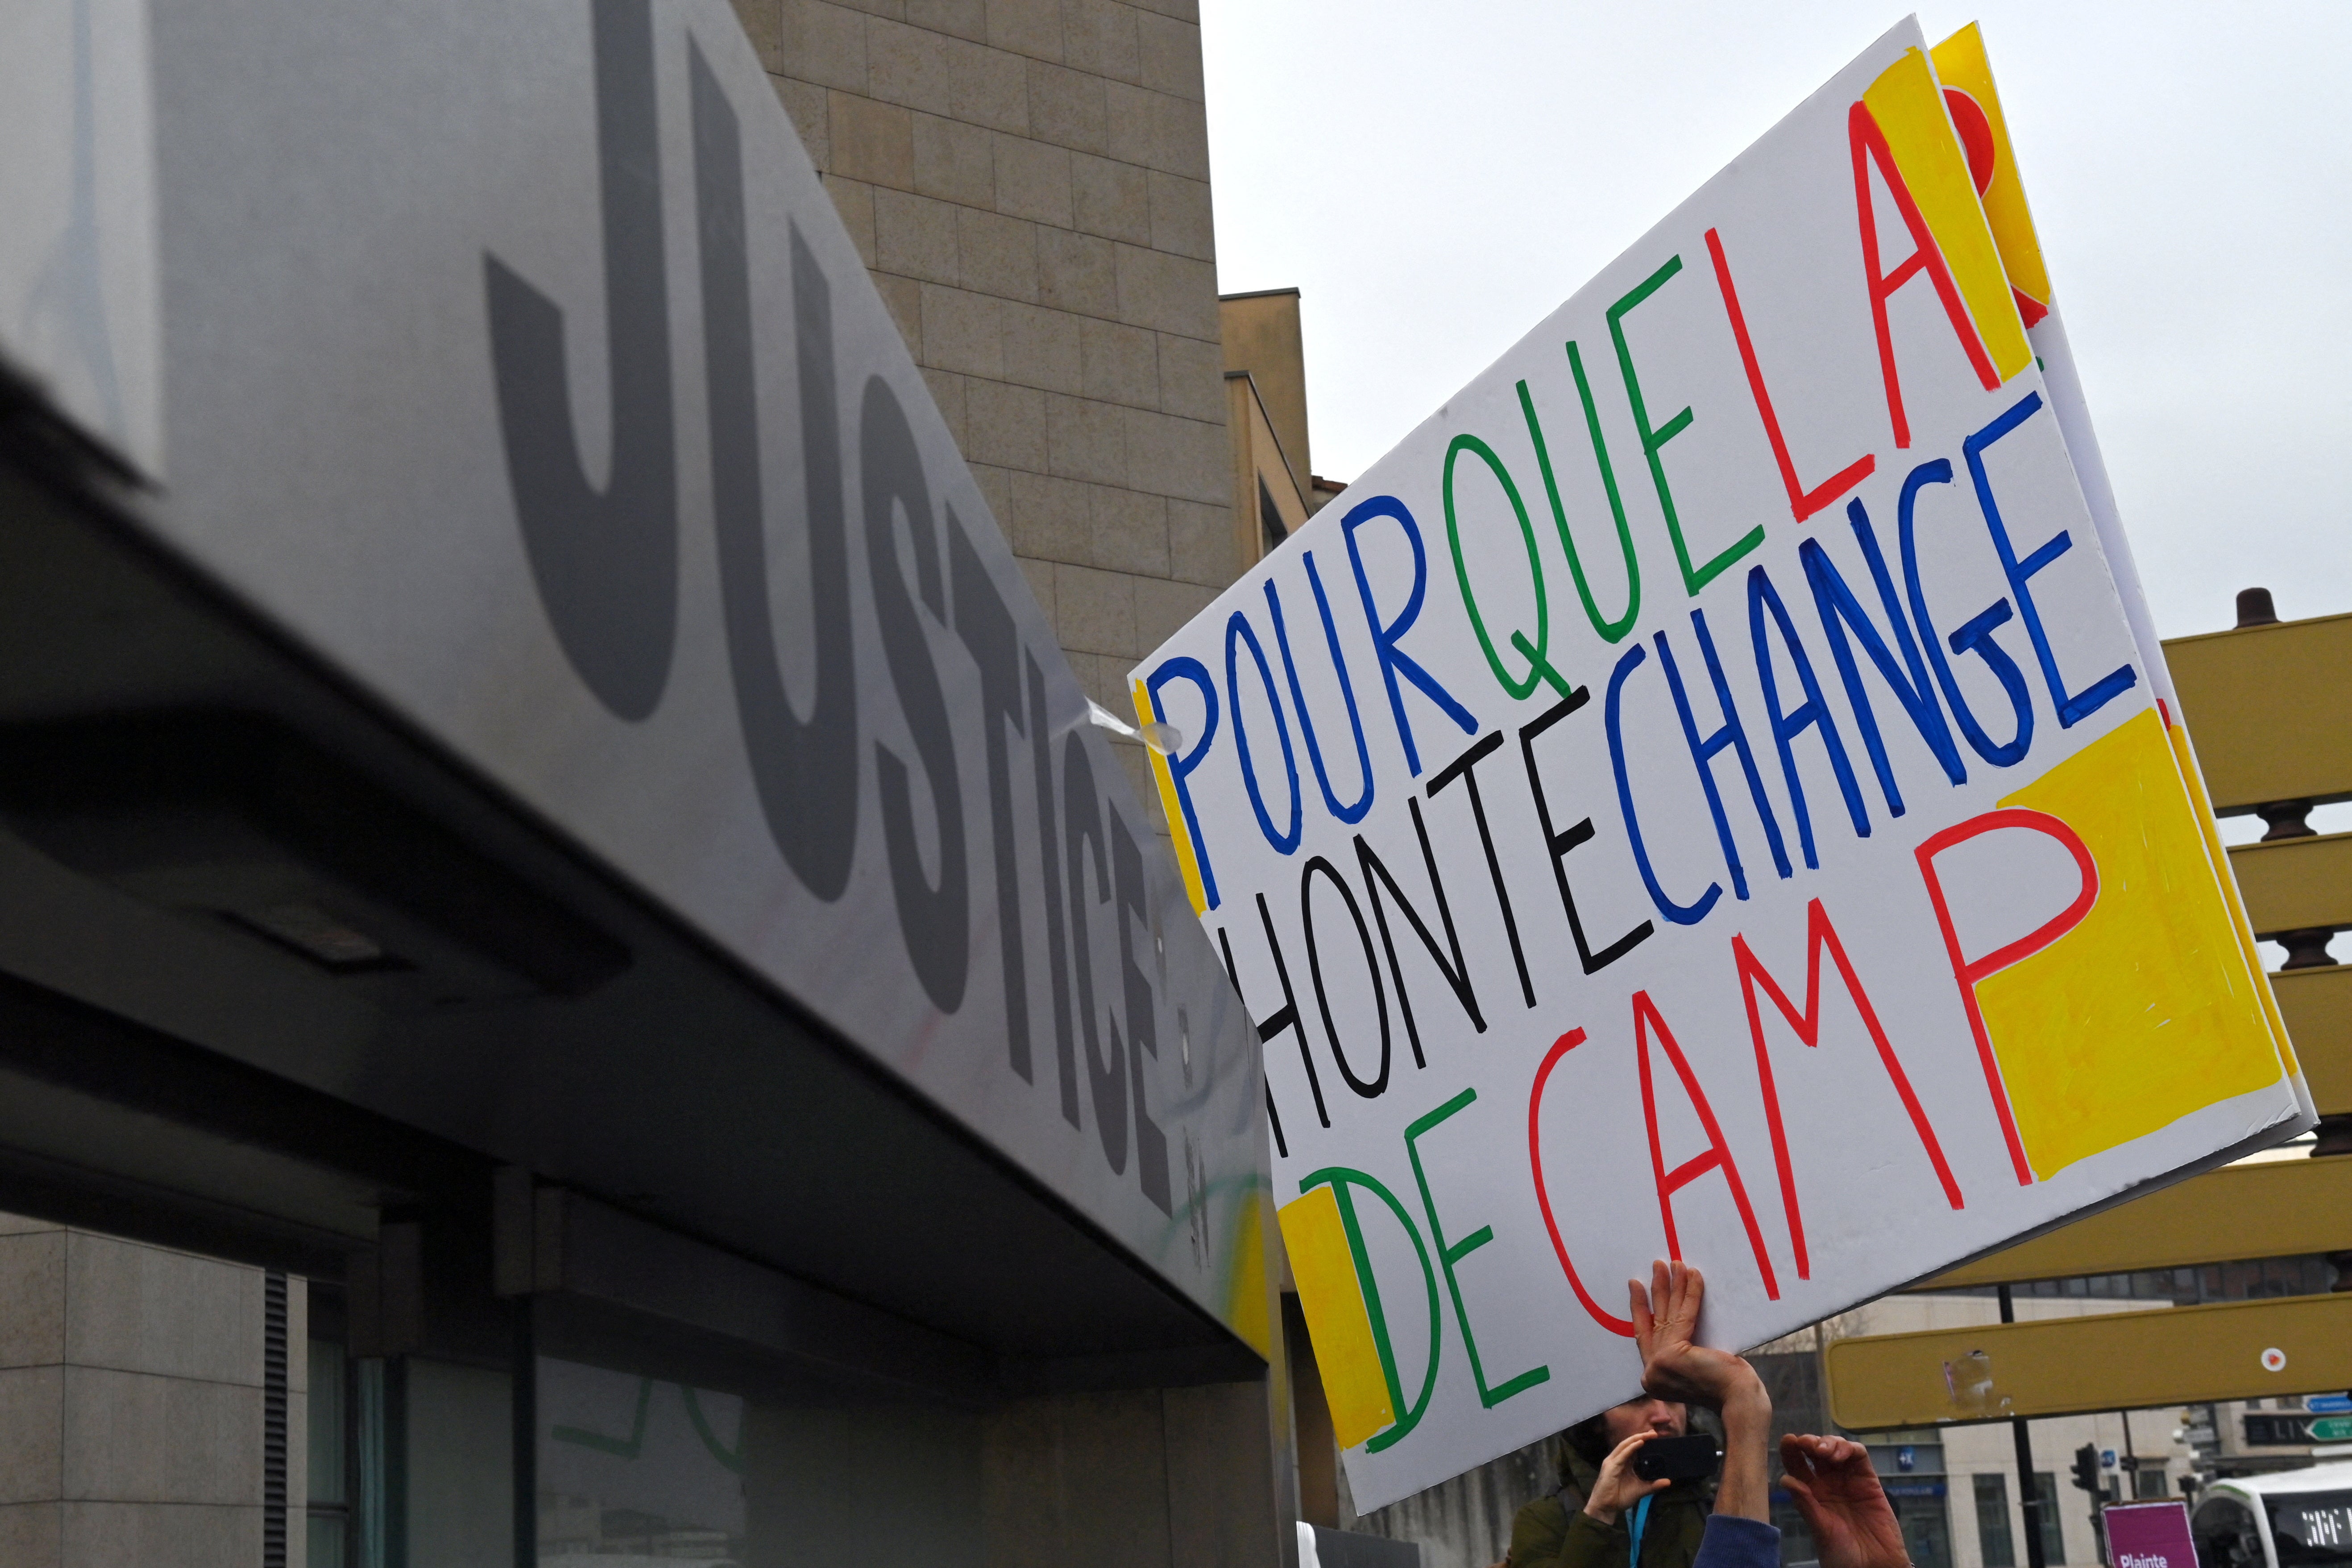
{"points": [[2280, 1208], [2318, 1007], [2271, 715], [2270, 709], [2068, 1366], [2293, 884]]}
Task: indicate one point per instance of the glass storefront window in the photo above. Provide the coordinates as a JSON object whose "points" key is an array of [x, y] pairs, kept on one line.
{"points": [[327, 1526], [1920, 1510], [1996, 1546], [370, 1537], [632, 1469], [455, 1471], [2054, 1538]]}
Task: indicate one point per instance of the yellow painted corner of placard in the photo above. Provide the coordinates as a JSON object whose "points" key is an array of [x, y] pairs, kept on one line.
{"points": [[1187, 858], [1961, 61], [2192, 776], [1958, 55], [1908, 106], [1332, 1300], [2142, 1014]]}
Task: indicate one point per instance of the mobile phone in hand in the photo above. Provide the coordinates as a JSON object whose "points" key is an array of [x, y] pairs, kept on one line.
{"points": [[1676, 1458]]}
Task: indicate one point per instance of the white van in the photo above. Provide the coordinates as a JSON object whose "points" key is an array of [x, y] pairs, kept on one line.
{"points": [[2290, 1519]]}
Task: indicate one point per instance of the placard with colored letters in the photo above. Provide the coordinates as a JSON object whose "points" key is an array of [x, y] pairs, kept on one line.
{"points": [[1712, 791]]}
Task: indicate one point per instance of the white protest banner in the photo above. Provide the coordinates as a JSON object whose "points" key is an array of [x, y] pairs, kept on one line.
{"points": [[1701, 795]]}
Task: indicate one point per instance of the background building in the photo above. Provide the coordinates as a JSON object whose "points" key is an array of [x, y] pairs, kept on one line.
{"points": [[1028, 181]]}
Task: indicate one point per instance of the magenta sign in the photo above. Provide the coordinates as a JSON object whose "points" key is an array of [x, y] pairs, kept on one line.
{"points": [[2149, 1535]]}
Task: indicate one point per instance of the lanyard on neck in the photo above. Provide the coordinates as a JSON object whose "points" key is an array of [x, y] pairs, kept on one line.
{"points": [[1640, 1518]]}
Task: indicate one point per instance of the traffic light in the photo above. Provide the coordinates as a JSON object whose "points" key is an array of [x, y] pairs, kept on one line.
{"points": [[2087, 1469]]}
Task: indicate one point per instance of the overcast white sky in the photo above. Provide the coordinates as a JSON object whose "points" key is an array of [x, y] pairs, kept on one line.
{"points": [[1435, 175]]}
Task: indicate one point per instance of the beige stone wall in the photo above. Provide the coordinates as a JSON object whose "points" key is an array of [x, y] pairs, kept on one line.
{"points": [[1262, 338], [1029, 181], [130, 1404]]}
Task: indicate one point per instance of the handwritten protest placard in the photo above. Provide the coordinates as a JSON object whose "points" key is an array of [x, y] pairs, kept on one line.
{"points": [[1704, 794]]}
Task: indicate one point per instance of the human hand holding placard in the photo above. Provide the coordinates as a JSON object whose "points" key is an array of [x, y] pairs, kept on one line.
{"points": [[1675, 1365]]}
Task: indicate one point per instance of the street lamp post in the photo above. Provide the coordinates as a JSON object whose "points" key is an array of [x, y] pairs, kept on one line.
{"points": [[2030, 1499]]}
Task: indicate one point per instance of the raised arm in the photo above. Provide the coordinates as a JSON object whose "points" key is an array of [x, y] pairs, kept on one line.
{"points": [[1675, 1365], [1829, 1478]]}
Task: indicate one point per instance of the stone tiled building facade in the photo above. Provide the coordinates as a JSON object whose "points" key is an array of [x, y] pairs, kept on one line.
{"points": [[1029, 181], [136, 1398]]}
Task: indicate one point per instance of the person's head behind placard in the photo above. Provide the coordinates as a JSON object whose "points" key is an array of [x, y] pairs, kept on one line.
{"points": [[1591, 1438]]}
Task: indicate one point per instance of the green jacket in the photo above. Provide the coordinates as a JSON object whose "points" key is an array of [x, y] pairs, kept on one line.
{"points": [[1556, 1532]]}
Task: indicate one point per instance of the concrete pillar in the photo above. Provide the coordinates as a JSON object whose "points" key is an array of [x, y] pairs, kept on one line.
{"points": [[132, 1392]]}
